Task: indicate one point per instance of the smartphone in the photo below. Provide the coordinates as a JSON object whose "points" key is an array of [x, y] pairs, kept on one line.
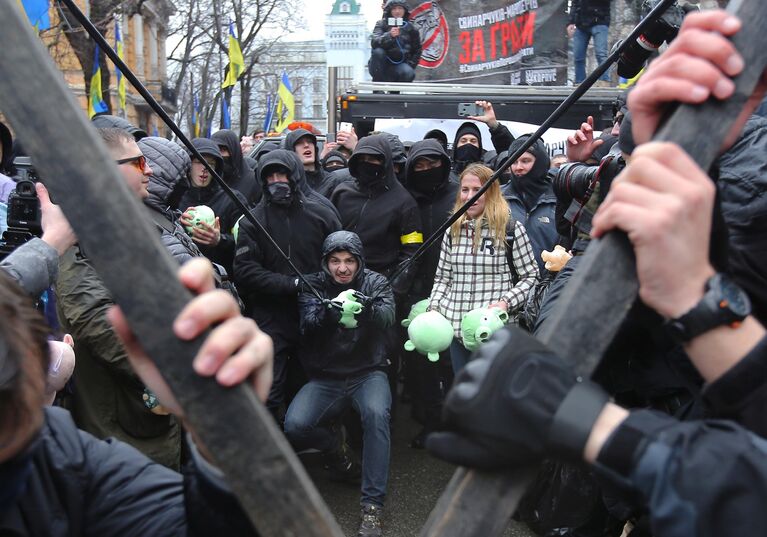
{"points": [[396, 21], [345, 127], [470, 109], [330, 137]]}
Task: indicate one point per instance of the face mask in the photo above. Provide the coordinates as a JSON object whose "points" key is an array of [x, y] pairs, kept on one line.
{"points": [[14, 474], [468, 153], [280, 194], [426, 181], [370, 174], [228, 168]]}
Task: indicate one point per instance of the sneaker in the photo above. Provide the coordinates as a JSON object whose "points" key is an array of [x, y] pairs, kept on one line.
{"points": [[341, 465], [370, 525]]}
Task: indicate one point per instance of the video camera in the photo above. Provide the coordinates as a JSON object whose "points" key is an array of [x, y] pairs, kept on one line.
{"points": [[662, 30], [23, 208]]}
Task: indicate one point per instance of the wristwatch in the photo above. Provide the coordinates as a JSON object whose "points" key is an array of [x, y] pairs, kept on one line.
{"points": [[724, 303]]}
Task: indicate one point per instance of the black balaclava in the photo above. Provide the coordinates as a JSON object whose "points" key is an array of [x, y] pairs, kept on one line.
{"points": [[467, 153], [427, 182]]}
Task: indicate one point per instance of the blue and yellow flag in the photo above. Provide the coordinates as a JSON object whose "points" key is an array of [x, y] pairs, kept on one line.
{"points": [[121, 55], [236, 61], [287, 105], [196, 117], [37, 13], [226, 118], [96, 104]]}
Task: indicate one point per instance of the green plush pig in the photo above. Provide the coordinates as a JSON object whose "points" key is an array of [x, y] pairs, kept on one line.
{"points": [[430, 333], [347, 303], [199, 214], [479, 324], [415, 310]]}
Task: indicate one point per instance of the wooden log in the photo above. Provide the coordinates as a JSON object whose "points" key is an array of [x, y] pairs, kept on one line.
{"points": [[601, 292], [125, 249]]}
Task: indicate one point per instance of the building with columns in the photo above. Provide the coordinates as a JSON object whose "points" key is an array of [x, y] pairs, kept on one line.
{"points": [[347, 42]]}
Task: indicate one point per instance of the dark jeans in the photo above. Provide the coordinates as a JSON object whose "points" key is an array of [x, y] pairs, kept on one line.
{"points": [[320, 402], [580, 45], [383, 70], [459, 355]]}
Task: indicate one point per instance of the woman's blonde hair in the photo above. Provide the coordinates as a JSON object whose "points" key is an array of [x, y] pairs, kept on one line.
{"points": [[496, 214]]}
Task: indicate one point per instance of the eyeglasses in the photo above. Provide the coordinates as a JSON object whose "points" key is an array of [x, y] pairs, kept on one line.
{"points": [[138, 162]]}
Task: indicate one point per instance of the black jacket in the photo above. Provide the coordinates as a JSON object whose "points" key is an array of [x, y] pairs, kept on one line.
{"points": [[263, 276], [741, 185], [405, 48], [385, 217], [435, 205], [239, 176], [6, 144], [327, 349], [587, 13], [78, 485], [224, 207]]}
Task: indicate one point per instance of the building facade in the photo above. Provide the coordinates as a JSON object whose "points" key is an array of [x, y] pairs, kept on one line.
{"points": [[347, 42], [144, 35]]}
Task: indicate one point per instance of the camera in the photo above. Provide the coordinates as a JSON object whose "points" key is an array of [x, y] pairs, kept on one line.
{"points": [[23, 209], [661, 30], [396, 21]]}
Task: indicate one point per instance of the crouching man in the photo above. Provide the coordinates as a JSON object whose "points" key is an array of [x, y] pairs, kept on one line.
{"points": [[343, 352]]}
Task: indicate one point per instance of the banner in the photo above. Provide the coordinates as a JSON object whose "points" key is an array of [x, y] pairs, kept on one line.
{"points": [[516, 42]]}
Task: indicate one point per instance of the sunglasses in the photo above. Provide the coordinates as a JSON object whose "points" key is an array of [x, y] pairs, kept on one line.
{"points": [[138, 162]]}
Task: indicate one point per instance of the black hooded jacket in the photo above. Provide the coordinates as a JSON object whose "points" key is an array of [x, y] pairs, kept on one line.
{"points": [[263, 276], [6, 142], [315, 179], [385, 216], [435, 204], [405, 48], [224, 207], [327, 349], [532, 201], [500, 136], [239, 176]]}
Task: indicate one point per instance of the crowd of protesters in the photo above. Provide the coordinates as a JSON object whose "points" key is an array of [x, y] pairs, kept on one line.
{"points": [[314, 247]]}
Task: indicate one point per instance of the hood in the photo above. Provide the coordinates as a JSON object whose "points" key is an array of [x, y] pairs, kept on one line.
{"points": [[231, 141], [268, 145], [467, 128], [428, 148], [398, 154], [288, 159], [391, 3], [538, 150], [114, 122], [292, 137], [170, 165], [437, 134], [6, 142], [346, 241], [334, 156], [377, 145], [207, 147]]}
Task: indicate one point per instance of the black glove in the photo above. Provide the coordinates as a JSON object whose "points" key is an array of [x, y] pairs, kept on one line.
{"points": [[516, 403], [332, 313]]}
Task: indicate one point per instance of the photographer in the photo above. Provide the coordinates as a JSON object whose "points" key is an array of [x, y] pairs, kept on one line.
{"points": [[395, 44]]}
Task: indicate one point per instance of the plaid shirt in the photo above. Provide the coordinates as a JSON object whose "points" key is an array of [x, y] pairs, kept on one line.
{"points": [[466, 280]]}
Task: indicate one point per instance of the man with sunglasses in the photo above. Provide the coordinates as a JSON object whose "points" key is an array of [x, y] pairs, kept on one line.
{"points": [[109, 399]]}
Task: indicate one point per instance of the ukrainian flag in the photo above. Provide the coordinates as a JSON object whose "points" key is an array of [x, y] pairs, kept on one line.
{"points": [[121, 55], [96, 104], [236, 61], [286, 106]]}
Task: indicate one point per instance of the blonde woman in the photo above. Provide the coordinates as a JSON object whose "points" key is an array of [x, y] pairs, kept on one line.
{"points": [[474, 269]]}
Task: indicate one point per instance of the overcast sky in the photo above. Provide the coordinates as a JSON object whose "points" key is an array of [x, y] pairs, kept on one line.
{"points": [[315, 11]]}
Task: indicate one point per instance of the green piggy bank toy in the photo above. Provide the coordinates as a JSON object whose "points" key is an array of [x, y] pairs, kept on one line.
{"points": [[201, 213], [415, 310], [347, 303], [430, 333], [478, 325]]}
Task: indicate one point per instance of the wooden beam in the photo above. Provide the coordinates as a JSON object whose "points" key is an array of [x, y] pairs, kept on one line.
{"points": [[259, 464]]}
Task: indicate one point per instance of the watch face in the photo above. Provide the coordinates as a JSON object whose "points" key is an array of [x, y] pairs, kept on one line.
{"points": [[734, 299]]}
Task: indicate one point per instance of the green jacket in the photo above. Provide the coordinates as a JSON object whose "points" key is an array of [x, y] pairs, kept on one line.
{"points": [[107, 393]]}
